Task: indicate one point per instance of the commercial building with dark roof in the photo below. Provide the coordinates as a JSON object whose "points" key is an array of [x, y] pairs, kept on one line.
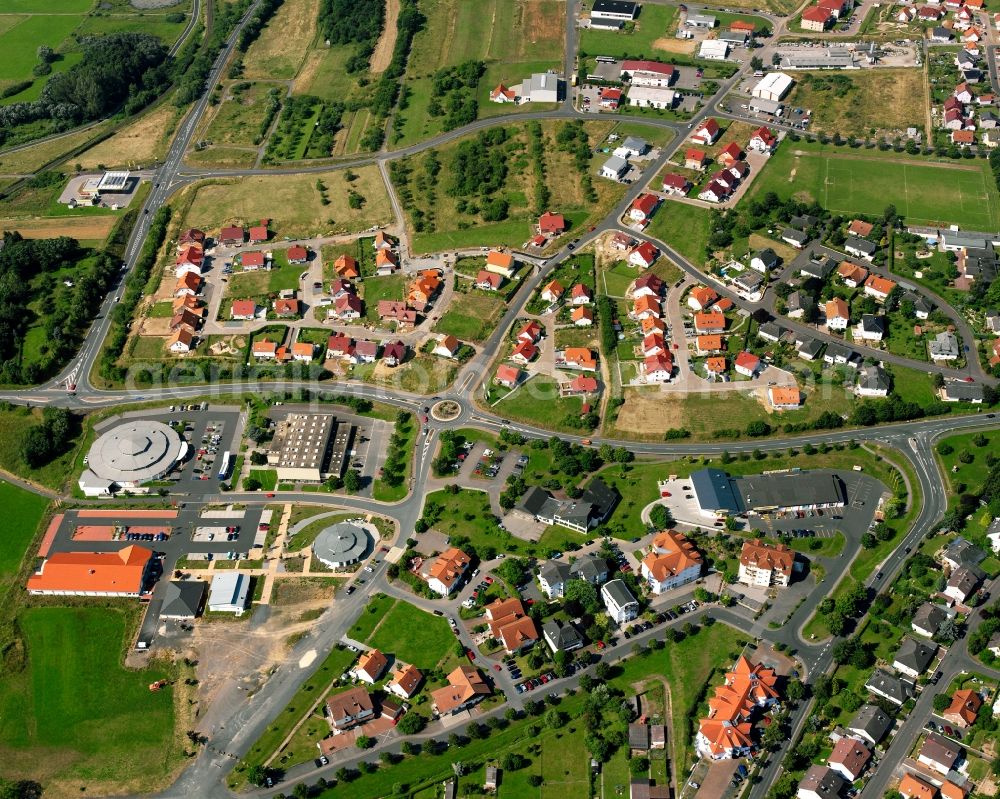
{"points": [[183, 599]]}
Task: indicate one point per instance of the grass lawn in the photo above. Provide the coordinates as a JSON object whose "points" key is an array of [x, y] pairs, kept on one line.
{"points": [[820, 547], [684, 227], [291, 202], [855, 104], [268, 478], [850, 182], [304, 537], [971, 474], [471, 317], [373, 289], [615, 280], [12, 425], [645, 40], [538, 402], [413, 635], [375, 610], [115, 733], [26, 511]]}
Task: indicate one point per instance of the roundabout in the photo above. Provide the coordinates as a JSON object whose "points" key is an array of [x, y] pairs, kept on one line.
{"points": [[446, 411]]}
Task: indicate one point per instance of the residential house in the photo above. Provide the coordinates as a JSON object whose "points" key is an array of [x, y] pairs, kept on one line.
{"points": [[763, 141], [524, 352], [252, 261], [770, 331], [912, 787], [501, 94], [862, 248], [872, 382], [580, 358], [303, 351], [264, 349], [658, 368], [672, 561], [944, 347], [187, 285], [797, 238], [871, 724], [646, 285], [964, 708], [370, 666], [552, 292], [339, 346], [614, 168], [889, 686], [879, 287], [939, 753], [423, 289], [707, 133], [510, 624], [346, 267], [507, 376], [531, 332], [809, 348], [701, 297], [730, 154], [561, 637], [961, 391], [961, 552], [695, 159], [581, 295], [784, 398], [405, 681], [644, 255], [849, 758], [852, 274], [715, 366], [590, 568], [232, 236], [870, 328], [243, 310], [349, 708], [964, 582], [765, 260], [181, 341], [708, 344], [447, 346], [610, 98], [747, 364], [552, 577], [838, 316], [676, 184], [297, 254], [383, 241], [582, 316], [447, 570], [619, 602], [727, 731], [550, 224], [643, 207], [816, 19], [347, 306], [394, 353], [914, 657], [396, 311], [709, 322], [386, 262], [928, 619], [286, 308], [488, 281], [465, 688], [502, 263], [765, 564], [820, 782]]}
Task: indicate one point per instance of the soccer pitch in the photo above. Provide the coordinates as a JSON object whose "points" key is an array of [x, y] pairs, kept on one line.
{"points": [[923, 192]]}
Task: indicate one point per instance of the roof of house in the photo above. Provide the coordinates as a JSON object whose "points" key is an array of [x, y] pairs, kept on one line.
{"points": [[589, 567], [464, 683], [646, 251], [850, 753], [450, 566], [765, 556], [871, 720], [372, 663], [710, 342], [704, 296], [859, 227], [965, 704], [670, 554], [784, 395], [914, 654], [880, 284], [694, 154], [890, 685], [912, 787], [675, 181], [965, 578], [252, 258], [747, 360], [709, 320], [816, 14], [350, 703], [244, 308], [101, 572], [822, 781], [297, 253], [508, 374], [407, 678], [258, 233], [939, 749], [646, 203], [837, 309]]}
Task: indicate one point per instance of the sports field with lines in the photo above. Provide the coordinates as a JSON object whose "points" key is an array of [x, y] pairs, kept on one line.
{"points": [[847, 182]]}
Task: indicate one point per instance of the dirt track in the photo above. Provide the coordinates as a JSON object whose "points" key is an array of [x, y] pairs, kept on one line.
{"points": [[387, 41]]}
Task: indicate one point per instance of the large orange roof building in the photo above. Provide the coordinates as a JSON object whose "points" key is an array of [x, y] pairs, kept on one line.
{"points": [[465, 687], [671, 562], [92, 573], [727, 731]]}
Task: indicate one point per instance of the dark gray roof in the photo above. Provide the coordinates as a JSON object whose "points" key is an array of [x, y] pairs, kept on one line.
{"points": [[614, 6], [819, 268], [564, 636], [811, 347], [771, 330], [748, 279], [964, 552], [619, 592], [929, 617], [803, 221], [798, 236], [589, 567], [823, 781], [715, 490], [915, 655], [963, 392], [872, 324], [183, 598], [638, 736], [966, 578], [873, 378], [894, 688], [835, 349], [941, 33], [768, 256], [554, 572], [533, 501], [872, 721], [799, 300], [815, 487], [861, 245], [601, 497]]}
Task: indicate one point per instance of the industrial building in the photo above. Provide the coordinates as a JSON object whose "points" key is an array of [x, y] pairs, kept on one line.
{"points": [[620, 10], [718, 494], [818, 58], [130, 454], [123, 573], [229, 593], [310, 447], [542, 87], [773, 86], [182, 599]]}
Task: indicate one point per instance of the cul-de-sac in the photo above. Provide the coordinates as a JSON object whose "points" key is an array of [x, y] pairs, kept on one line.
{"points": [[537, 399]]}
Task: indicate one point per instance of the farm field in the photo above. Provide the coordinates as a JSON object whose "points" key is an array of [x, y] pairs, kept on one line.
{"points": [[91, 231], [846, 181], [292, 203], [30, 159], [442, 215], [53, 732], [20, 42], [513, 38], [886, 100]]}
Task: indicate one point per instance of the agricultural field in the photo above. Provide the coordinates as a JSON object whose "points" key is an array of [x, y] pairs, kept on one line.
{"points": [[447, 206], [863, 103], [115, 736], [240, 121], [145, 140], [31, 159], [271, 57], [511, 39], [849, 182], [293, 203]]}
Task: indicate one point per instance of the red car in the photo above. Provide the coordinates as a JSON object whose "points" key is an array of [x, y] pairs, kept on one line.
{"points": [[488, 581], [470, 654], [496, 667], [269, 495]]}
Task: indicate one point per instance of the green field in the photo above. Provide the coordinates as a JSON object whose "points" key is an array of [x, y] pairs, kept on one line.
{"points": [[20, 43], [684, 227], [652, 24], [74, 714], [25, 512], [471, 317], [851, 183], [538, 402], [413, 635], [970, 474]]}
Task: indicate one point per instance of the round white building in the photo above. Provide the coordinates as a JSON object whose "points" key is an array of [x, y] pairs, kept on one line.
{"points": [[136, 452], [342, 544]]}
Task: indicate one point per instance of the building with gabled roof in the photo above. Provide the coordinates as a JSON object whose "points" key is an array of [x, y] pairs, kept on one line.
{"points": [[766, 565], [118, 573], [964, 708], [405, 681], [672, 561], [849, 757], [465, 688], [447, 570], [370, 666]]}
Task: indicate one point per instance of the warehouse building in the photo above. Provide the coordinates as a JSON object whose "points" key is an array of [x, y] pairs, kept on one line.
{"points": [[124, 573], [818, 58], [621, 10], [718, 494], [773, 86], [229, 593], [310, 447]]}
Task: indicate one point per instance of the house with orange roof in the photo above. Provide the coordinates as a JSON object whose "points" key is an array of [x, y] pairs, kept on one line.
{"points": [[510, 624], [252, 261], [532, 331], [646, 306], [709, 322], [190, 259], [579, 358], [715, 365], [258, 234], [405, 681], [507, 376], [852, 274], [118, 573], [243, 310], [370, 666], [447, 346], [383, 241], [347, 267], [303, 351], [580, 295], [707, 344], [386, 262], [181, 341], [696, 159], [765, 564], [447, 570], [423, 289], [552, 291], [879, 287], [964, 708], [672, 561], [187, 284], [465, 688], [950, 790], [784, 398], [701, 298], [652, 324], [501, 94], [653, 344], [582, 316], [503, 263], [912, 787], [838, 315], [264, 349]]}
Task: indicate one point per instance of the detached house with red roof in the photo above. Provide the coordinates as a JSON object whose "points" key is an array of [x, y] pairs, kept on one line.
{"points": [[258, 233], [488, 281], [507, 376], [766, 565], [695, 159], [747, 364], [446, 571], [730, 154], [524, 352], [676, 184], [610, 98], [763, 141], [551, 224], [243, 310], [707, 133], [643, 207], [501, 94], [644, 255], [658, 368]]}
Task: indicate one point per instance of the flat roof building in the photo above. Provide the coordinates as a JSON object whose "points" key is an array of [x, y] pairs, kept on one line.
{"points": [[229, 593], [773, 86], [793, 490], [818, 58], [614, 9], [310, 446], [113, 182]]}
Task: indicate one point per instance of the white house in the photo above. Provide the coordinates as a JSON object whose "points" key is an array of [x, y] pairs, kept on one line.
{"points": [[618, 600]]}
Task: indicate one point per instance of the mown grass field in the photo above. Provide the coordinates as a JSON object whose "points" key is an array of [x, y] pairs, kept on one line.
{"points": [[513, 37], [413, 635], [471, 317], [74, 715], [684, 227], [864, 181], [647, 39], [24, 512], [538, 402], [292, 203]]}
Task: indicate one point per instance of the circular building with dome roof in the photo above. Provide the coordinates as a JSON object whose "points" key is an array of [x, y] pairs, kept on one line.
{"points": [[135, 452], [343, 543]]}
